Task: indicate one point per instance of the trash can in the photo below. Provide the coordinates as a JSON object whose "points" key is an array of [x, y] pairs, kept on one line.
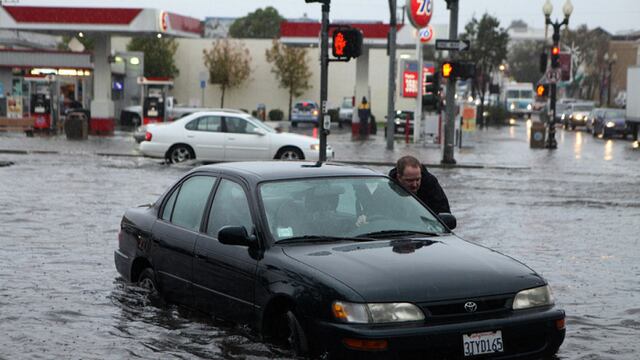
{"points": [[262, 112], [76, 126], [537, 135]]}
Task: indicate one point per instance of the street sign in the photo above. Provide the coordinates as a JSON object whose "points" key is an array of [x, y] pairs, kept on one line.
{"points": [[453, 45], [426, 34], [553, 76], [419, 12]]}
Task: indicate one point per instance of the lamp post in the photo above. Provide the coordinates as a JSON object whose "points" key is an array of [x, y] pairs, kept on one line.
{"points": [[609, 60], [547, 9]]}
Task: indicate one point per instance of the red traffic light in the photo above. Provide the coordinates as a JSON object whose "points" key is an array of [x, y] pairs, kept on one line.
{"points": [[555, 51]]}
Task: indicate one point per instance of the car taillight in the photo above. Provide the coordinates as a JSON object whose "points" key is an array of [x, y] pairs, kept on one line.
{"points": [[147, 136]]}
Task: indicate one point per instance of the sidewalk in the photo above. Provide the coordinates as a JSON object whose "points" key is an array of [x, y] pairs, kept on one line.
{"points": [[494, 147]]}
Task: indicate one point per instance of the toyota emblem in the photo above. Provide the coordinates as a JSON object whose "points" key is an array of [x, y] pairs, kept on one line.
{"points": [[470, 307]]}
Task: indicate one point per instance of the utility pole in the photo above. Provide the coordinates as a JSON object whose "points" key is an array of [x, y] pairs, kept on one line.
{"points": [[324, 79], [449, 125], [392, 75]]}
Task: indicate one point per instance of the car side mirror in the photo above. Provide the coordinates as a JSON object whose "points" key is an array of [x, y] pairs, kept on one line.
{"points": [[448, 220], [234, 235], [259, 131]]}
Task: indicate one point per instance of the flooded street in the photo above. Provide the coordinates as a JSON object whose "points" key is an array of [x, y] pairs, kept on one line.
{"points": [[573, 215]]}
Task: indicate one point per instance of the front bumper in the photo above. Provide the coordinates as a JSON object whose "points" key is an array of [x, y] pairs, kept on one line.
{"points": [[526, 334]]}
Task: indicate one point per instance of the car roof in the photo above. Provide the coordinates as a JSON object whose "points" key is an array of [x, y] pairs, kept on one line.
{"points": [[282, 170]]}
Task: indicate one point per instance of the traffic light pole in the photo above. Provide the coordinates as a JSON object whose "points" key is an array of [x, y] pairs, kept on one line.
{"points": [[324, 80], [449, 126], [551, 139], [392, 75]]}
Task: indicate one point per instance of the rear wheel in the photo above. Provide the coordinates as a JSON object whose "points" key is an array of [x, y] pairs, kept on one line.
{"points": [[297, 337], [179, 153], [289, 153], [147, 280]]}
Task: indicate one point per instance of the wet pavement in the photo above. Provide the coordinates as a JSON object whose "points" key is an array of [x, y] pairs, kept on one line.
{"points": [[571, 214]]}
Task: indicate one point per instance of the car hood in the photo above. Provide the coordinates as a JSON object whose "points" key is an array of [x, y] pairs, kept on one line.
{"points": [[417, 270], [295, 138]]}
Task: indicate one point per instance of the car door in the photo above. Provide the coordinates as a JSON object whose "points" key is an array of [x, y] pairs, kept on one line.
{"points": [[224, 275], [174, 236], [206, 137], [242, 143]]}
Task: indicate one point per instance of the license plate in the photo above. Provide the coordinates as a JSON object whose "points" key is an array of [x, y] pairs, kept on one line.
{"points": [[482, 343]]}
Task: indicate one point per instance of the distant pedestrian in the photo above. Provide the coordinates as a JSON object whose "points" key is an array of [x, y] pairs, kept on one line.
{"points": [[413, 176], [364, 113]]}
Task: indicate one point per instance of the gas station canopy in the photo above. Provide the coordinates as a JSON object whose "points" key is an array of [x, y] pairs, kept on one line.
{"points": [[114, 21]]}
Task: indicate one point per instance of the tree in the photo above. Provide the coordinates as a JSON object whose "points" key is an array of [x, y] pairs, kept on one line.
{"points": [[291, 67], [158, 55], [488, 50], [228, 65], [588, 48], [260, 24], [524, 61]]}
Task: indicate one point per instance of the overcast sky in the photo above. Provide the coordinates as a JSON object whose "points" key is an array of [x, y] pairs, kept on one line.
{"points": [[612, 15]]}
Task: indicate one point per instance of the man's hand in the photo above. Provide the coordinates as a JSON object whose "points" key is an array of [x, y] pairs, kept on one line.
{"points": [[362, 220]]}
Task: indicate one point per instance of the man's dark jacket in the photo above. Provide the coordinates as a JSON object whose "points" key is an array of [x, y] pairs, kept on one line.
{"points": [[430, 191]]}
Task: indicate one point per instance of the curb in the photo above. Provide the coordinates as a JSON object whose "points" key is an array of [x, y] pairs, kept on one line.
{"points": [[349, 162]]}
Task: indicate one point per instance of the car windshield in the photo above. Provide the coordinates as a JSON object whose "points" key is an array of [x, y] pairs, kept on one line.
{"points": [[582, 108], [305, 106], [260, 124], [616, 114], [343, 207], [347, 103]]}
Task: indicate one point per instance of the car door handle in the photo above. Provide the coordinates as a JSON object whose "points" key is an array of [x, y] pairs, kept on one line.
{"points": [[190, 136], [231, 138]]}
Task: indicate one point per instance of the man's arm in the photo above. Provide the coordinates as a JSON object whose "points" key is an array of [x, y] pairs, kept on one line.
{"points": [[432, 194]]}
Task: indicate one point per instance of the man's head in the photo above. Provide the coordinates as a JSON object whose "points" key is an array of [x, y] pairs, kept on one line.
{"points": [[409, 173]]}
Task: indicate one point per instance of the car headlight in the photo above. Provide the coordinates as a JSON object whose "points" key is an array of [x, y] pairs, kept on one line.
{"points": [[526, 299], [315, 147], [529, 107], [611, 124], [562, 117], [513, 106], [376, 313], [578, 117]]}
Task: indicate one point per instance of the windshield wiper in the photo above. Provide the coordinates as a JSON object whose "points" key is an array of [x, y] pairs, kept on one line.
{"points": [[396, 233], [323, 238]]}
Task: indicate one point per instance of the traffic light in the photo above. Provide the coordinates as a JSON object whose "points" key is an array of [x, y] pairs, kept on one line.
{"points": [[542, 90], [555, 57], [431, 96], [347, 43], [458, 69]]}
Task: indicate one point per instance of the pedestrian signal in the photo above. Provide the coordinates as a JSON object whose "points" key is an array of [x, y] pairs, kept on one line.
{"points": [[431, 96], [458, 69], [542, 90], [347, 43]]}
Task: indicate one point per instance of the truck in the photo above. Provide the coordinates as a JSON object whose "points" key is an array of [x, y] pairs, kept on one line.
{"points": [[517, 99], [633, 102]]}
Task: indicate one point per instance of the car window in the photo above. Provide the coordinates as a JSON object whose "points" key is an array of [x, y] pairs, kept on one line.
{"points": [[230, 207], [305, 106], [168, 206], [192, 125], [237, 125], [210, 123], [342, 207], [191, 201], [614, 114]]}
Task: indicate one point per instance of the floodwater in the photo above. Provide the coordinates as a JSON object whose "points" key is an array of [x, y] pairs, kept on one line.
{"points": [[573, 215]]}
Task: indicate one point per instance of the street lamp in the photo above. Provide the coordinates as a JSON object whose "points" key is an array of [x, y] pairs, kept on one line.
{"points": [[609, 60], [547, 9]]}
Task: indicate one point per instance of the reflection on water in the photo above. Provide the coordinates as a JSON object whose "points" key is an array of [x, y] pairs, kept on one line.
{"points": [[512, 132], [608, 150], [577, 146]]}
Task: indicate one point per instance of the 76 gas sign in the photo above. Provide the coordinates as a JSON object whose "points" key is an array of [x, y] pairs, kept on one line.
{"points": [[419, 12]]}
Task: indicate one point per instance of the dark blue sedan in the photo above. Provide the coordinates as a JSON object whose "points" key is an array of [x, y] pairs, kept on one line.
{"points": [[610, 122], [337, 260]]}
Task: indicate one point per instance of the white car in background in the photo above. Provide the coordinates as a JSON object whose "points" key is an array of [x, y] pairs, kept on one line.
{"points": [[225, 136]]}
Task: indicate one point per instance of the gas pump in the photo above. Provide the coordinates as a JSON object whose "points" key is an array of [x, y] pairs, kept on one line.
{"points": [[154, 99], [41, 105]]}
